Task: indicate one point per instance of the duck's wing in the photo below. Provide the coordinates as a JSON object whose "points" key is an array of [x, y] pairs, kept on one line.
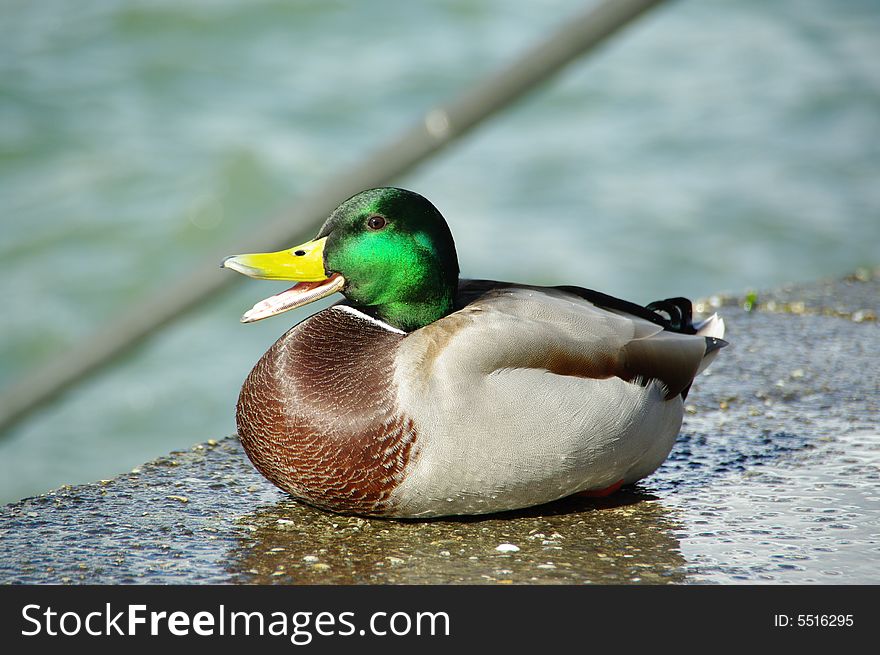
{"points": [[570, 331], [674, 314]]}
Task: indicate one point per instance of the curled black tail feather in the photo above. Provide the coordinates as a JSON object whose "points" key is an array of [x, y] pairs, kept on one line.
{"points": [[680, 312]]}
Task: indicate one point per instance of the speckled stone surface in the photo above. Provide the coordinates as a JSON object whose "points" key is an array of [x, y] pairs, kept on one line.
{"points": [[775, 478]]}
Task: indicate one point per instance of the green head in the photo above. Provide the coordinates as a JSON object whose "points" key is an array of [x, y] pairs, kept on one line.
{"points": [[388, 250], [397, 255]]}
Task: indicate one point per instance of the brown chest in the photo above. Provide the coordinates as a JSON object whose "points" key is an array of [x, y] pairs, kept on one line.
{"points": [[317, 415]]}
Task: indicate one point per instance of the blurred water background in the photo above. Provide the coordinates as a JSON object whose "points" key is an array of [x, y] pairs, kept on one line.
{"points": [[713, 146]]}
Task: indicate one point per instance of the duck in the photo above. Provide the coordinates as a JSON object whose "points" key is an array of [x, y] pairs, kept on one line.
{"points": [[421, 394]]}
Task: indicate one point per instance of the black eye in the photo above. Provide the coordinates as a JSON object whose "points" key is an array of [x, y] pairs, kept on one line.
{"points": [[376, 222]]}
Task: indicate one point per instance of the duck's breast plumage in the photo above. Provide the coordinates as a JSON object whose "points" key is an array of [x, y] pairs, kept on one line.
{"points": [[318, 414]]}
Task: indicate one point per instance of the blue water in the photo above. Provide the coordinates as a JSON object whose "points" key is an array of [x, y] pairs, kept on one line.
{"points": [[714, 146]]}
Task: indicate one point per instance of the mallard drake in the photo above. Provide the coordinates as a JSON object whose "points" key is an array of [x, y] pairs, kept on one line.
{"points": [[423, 395]]}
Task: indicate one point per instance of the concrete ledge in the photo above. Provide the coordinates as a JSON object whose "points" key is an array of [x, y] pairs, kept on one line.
{"points": [[774, 478]]}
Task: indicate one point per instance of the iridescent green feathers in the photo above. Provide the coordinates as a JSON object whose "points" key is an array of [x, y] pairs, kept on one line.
{"points": [[397, 255]]}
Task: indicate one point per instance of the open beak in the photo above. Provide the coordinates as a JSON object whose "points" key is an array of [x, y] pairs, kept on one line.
{"points": [[304, 263]]}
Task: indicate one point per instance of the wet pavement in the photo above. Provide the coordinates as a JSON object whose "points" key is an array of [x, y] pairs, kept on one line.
{"points": [[774, 479]]}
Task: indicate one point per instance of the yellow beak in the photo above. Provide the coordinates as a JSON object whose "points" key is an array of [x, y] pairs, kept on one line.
{"points": [[303, 263]]}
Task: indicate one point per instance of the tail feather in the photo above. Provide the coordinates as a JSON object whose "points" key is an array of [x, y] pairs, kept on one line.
{"points": [[678, 311], [713, 329]]}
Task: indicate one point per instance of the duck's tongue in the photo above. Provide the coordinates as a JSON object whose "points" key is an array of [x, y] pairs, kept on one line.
{"points": [[301, 293]]}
